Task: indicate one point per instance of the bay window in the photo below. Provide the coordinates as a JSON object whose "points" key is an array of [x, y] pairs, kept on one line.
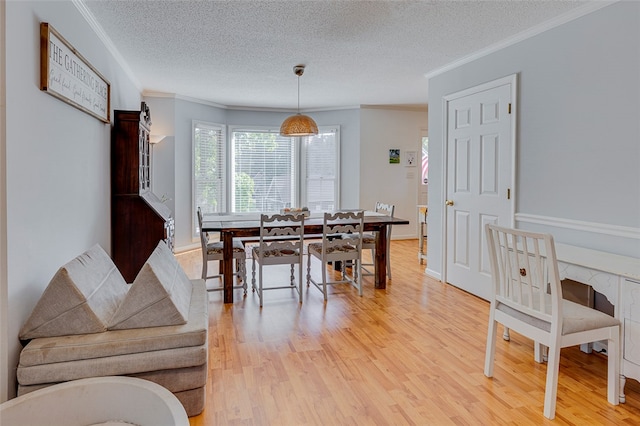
{"points": [[258, 170]]}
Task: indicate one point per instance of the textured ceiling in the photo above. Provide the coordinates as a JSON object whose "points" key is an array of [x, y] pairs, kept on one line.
{"points": [[241, 53]]}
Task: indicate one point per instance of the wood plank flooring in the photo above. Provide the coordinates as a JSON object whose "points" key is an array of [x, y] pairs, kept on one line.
{"points": [[412, 354]]}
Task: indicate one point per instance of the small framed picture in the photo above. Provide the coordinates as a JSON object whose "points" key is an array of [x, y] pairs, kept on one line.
{"points": [[410, 158], [394, 156]]}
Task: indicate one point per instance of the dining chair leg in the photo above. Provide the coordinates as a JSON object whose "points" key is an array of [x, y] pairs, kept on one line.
{"points": [[613, 371], [300, 280], [253, 276], [359, 274], [204, 268], [308, 269], [538, 352], [324, 280], [373, 259], [505, 334], [243, 274], [260, 283], [491, 347], [551, 386]]}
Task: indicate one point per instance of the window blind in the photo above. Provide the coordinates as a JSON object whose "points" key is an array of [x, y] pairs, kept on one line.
{"points": [[264, 171], [321, 171], [209, 167]]}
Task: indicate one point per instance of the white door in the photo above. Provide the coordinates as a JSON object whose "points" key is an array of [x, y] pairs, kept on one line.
{"points": [[479, 170]]}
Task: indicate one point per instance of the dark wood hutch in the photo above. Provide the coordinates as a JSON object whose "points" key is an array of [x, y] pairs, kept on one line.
{"points": [[139, 219]]}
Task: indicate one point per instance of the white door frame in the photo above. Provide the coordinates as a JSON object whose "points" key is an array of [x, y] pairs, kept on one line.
{"points": [[5, 384], [513, 81]]}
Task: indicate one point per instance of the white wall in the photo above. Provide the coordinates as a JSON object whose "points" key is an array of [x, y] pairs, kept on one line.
{"points": [[57, 166], [381, 130], [162, 158], [578, 135]]}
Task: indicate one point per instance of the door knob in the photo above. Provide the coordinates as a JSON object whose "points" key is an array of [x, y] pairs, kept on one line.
{"points": [[449, 202]]}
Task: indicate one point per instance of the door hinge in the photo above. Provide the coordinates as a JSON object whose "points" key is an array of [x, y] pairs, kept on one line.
{"points": [[508, 193], [509, 107]]}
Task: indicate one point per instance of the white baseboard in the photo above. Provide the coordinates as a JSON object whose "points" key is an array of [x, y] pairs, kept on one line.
{"points": [[183, 249], [433, 274], [403, 237]]}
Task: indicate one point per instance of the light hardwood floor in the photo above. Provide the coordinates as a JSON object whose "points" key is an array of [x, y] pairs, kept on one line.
{"points": [[412, 354]]}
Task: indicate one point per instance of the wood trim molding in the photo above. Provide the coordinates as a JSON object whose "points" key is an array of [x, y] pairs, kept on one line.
{"points": [[531, 32], [579, 225]]}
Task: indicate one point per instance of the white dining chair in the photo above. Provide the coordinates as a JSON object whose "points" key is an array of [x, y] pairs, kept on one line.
{"points": [[212, 251], [281, 243], [340, 250], [527, 298], [369, 240]]}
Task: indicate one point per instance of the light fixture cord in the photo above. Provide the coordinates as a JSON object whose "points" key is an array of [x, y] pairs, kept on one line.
{"points": [[298, 94]]}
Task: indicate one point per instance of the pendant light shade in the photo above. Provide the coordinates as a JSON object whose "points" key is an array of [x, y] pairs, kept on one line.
{"points": [[299, 124]]}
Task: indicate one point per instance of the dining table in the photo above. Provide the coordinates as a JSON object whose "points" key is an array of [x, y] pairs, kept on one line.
{"points": [[247, 226]]}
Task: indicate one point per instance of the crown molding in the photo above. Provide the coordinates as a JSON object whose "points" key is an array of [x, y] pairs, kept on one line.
{"points": [[531, 32], [250, 108], [413, 107], [151, 94], [97, 28]]}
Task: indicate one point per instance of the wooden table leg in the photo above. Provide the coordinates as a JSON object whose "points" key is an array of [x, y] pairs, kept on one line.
{"points": [[227, 266], [381, 259]]}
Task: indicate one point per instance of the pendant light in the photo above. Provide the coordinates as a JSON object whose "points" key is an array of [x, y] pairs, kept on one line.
{"points": [[299, 124]]}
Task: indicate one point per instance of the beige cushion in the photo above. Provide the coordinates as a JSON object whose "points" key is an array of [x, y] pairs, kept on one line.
{"points": [[120, 365], [275, 252], [346, 247], [192, 400], [216, 247], [159, 296], [113, 343], [174, 379], [367, 239], [576, 318], [80, 298], [579, 318]]}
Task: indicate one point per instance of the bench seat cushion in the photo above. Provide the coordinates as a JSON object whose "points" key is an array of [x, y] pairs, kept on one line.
{"points": [[174, 379], [192, 400], [119, 365]]}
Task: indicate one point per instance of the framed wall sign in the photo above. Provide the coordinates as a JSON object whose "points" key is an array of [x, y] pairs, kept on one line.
{"points": [[66, 74]]}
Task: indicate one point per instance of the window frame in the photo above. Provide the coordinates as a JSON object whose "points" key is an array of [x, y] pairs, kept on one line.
{"points": [[223, 170], [304, 141]]}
